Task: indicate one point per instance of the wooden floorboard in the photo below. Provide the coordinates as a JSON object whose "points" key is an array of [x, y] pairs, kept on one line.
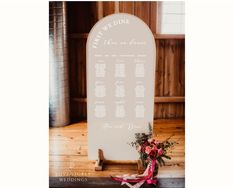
{"points": [[68, 156]]}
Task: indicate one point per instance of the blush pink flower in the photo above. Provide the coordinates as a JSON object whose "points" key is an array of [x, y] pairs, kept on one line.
{"points": [[150, 140], [156, 142], [138, 148], [148, 149], [160, 151]]}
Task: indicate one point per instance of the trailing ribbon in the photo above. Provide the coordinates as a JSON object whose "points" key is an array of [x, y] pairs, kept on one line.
{"points": [[139, 181]]}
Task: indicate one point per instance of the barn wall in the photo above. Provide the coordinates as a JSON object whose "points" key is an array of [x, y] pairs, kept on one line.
{"points": [[170, 63]]}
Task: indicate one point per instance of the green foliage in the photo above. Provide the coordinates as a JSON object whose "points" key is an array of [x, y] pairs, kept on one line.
{"points": [[161, 161], [167, 157], [140, 138]]}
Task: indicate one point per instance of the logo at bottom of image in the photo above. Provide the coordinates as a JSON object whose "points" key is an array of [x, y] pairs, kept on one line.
{"points": [[73, 179]]}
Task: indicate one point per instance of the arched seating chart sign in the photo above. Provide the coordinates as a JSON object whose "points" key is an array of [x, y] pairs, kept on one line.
{"points": [[121, 56]]}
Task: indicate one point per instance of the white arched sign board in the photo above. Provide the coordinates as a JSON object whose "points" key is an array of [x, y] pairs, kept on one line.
{"points": [[121, 56]]}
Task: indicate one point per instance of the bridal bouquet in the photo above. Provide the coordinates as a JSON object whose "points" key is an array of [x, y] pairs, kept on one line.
{"points": [[152, 154], [151, 149]]}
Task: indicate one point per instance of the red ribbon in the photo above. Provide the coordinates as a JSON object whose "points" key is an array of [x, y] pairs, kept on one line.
{"points": [[145, 178]]}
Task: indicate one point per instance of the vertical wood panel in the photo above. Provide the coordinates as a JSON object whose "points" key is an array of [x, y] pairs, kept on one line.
{"points": [[116, 7], [142, 10], [159, 83], [153, 16], [127, 7], [73, 68], [77, 55], [166, 69], [171, 76], [73, 77], [181, 85], [108, 7], [182, 68], [158, 17], [81, 16], [82, 76], [100, 11]]}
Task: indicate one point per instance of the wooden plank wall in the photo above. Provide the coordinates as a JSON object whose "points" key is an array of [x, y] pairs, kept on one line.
{"points": [[170, 72]]}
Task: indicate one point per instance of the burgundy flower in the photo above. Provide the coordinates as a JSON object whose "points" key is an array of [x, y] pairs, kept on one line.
{"points": [[153, 154]]}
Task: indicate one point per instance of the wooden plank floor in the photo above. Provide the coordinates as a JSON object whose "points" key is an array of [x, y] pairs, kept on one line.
{"points": [[68, 152]]}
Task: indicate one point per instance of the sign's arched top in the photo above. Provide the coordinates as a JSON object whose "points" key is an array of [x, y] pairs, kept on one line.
{"points": [[123, 24]]}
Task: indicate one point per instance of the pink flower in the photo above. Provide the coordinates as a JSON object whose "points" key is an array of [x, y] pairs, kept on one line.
{"points": [[154, 147], [148, 149], [160, 151]]}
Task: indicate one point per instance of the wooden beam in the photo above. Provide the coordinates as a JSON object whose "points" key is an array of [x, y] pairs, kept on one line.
{"points": [[78, 35], [168, 99], [169, 36], [174, 99], [80, 100]]}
